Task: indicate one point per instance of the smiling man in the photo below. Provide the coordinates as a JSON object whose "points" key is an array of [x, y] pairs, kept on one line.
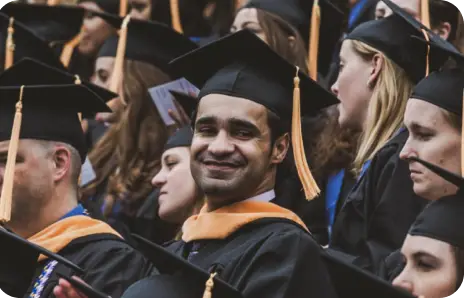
{"points": [[241, 135]]}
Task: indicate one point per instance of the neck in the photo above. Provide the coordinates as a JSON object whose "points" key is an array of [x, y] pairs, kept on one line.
{"points": [[48, 214], [214, 203]]}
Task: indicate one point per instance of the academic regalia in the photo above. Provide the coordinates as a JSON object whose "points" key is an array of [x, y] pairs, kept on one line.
{"points": [[444, 89], [381, 207], [298, 15], [148, 42], [19, 261], [76, 236], [257, 247], [441, 217]]}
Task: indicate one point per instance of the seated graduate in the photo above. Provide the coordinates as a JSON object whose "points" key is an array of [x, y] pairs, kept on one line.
{"points": [[433, 252], [377, 213], [241, 135], [179, 195], [42, 148], [433, 118]]}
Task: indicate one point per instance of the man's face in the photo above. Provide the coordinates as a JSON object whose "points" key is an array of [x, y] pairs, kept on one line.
{"points": [[32, 183], [231, 155]]}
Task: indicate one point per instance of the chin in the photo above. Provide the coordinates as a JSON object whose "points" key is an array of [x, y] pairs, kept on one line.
{"points": [[424, 192]]}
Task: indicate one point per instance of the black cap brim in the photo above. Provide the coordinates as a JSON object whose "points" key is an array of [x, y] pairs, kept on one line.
{"points": [[169, 263], [351, 281]]}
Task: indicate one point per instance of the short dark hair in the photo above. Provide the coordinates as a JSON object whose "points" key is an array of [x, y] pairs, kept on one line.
{"points": [[443, 11], [277, 126]]}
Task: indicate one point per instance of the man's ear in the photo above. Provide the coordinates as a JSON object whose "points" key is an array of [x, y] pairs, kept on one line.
{"points": [[280, 148], [62, 160], [443, 30], [291, 40]]}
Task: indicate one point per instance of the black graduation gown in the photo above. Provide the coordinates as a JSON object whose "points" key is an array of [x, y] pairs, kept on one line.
{"points": [[380, 209], [268, 257], [111, 265]]}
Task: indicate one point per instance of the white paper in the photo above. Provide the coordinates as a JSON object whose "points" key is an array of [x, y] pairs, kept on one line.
{"points": [[87, 173], [163, 99]]}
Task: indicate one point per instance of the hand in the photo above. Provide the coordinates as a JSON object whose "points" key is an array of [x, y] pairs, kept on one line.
{"points": [[180, 117], [65, 290]]}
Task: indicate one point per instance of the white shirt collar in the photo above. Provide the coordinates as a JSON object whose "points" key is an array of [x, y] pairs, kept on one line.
{"points": [[264, 197]]}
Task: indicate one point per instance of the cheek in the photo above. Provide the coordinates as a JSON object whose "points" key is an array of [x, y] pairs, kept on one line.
{"points": [[436, 284]]}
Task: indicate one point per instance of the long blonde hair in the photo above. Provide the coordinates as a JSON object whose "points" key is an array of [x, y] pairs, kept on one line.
{"points": [[386, 107]]}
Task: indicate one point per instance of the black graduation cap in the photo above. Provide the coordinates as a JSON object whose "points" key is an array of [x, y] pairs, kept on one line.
{"points": [[244, 66], [26, 71], [443, 48], [57, 23], [26, 44], [181, 138], [351, 281], [179, 278], [189, 103], [298, 13], [149, 42], [443, 88], [19, 261], [49, 112], [441, 217], [393, 36]]}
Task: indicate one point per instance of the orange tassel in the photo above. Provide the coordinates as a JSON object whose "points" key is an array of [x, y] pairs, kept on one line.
{"points": [[53, 2], [208, 293], [8, 181], [122, 8], [10, 46], [68, 49], [425, 13], [309, 184], [427, 66], [314, 39], [175, 16], [116, 77]]}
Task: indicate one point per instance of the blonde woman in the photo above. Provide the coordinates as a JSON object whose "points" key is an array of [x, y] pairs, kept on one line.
{"points": [[380, 64]]}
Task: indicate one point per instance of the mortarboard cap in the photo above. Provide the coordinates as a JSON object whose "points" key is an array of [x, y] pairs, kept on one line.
{"points": [[179, 278], [244, 66], [58, 23], [301, 15], [49, 113], [149, 42], [442, 48], [443, 88], [441, 217], [25, 73], [350, 281], [188, 102], [26, 44], [18, 263], [392, 36], [181, 138]]}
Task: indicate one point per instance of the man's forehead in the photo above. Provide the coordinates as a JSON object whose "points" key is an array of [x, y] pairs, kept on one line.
{"points": [[22, 144], [225, 107]]}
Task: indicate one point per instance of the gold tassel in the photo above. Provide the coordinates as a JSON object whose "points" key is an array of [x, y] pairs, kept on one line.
{"points": [[314, 39], [209, 286], [123, 8], [427, 66], [68, 49], [307, 180], [10, 46], [7, 190], [425, 13], [119, 60], [175, 16]]}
